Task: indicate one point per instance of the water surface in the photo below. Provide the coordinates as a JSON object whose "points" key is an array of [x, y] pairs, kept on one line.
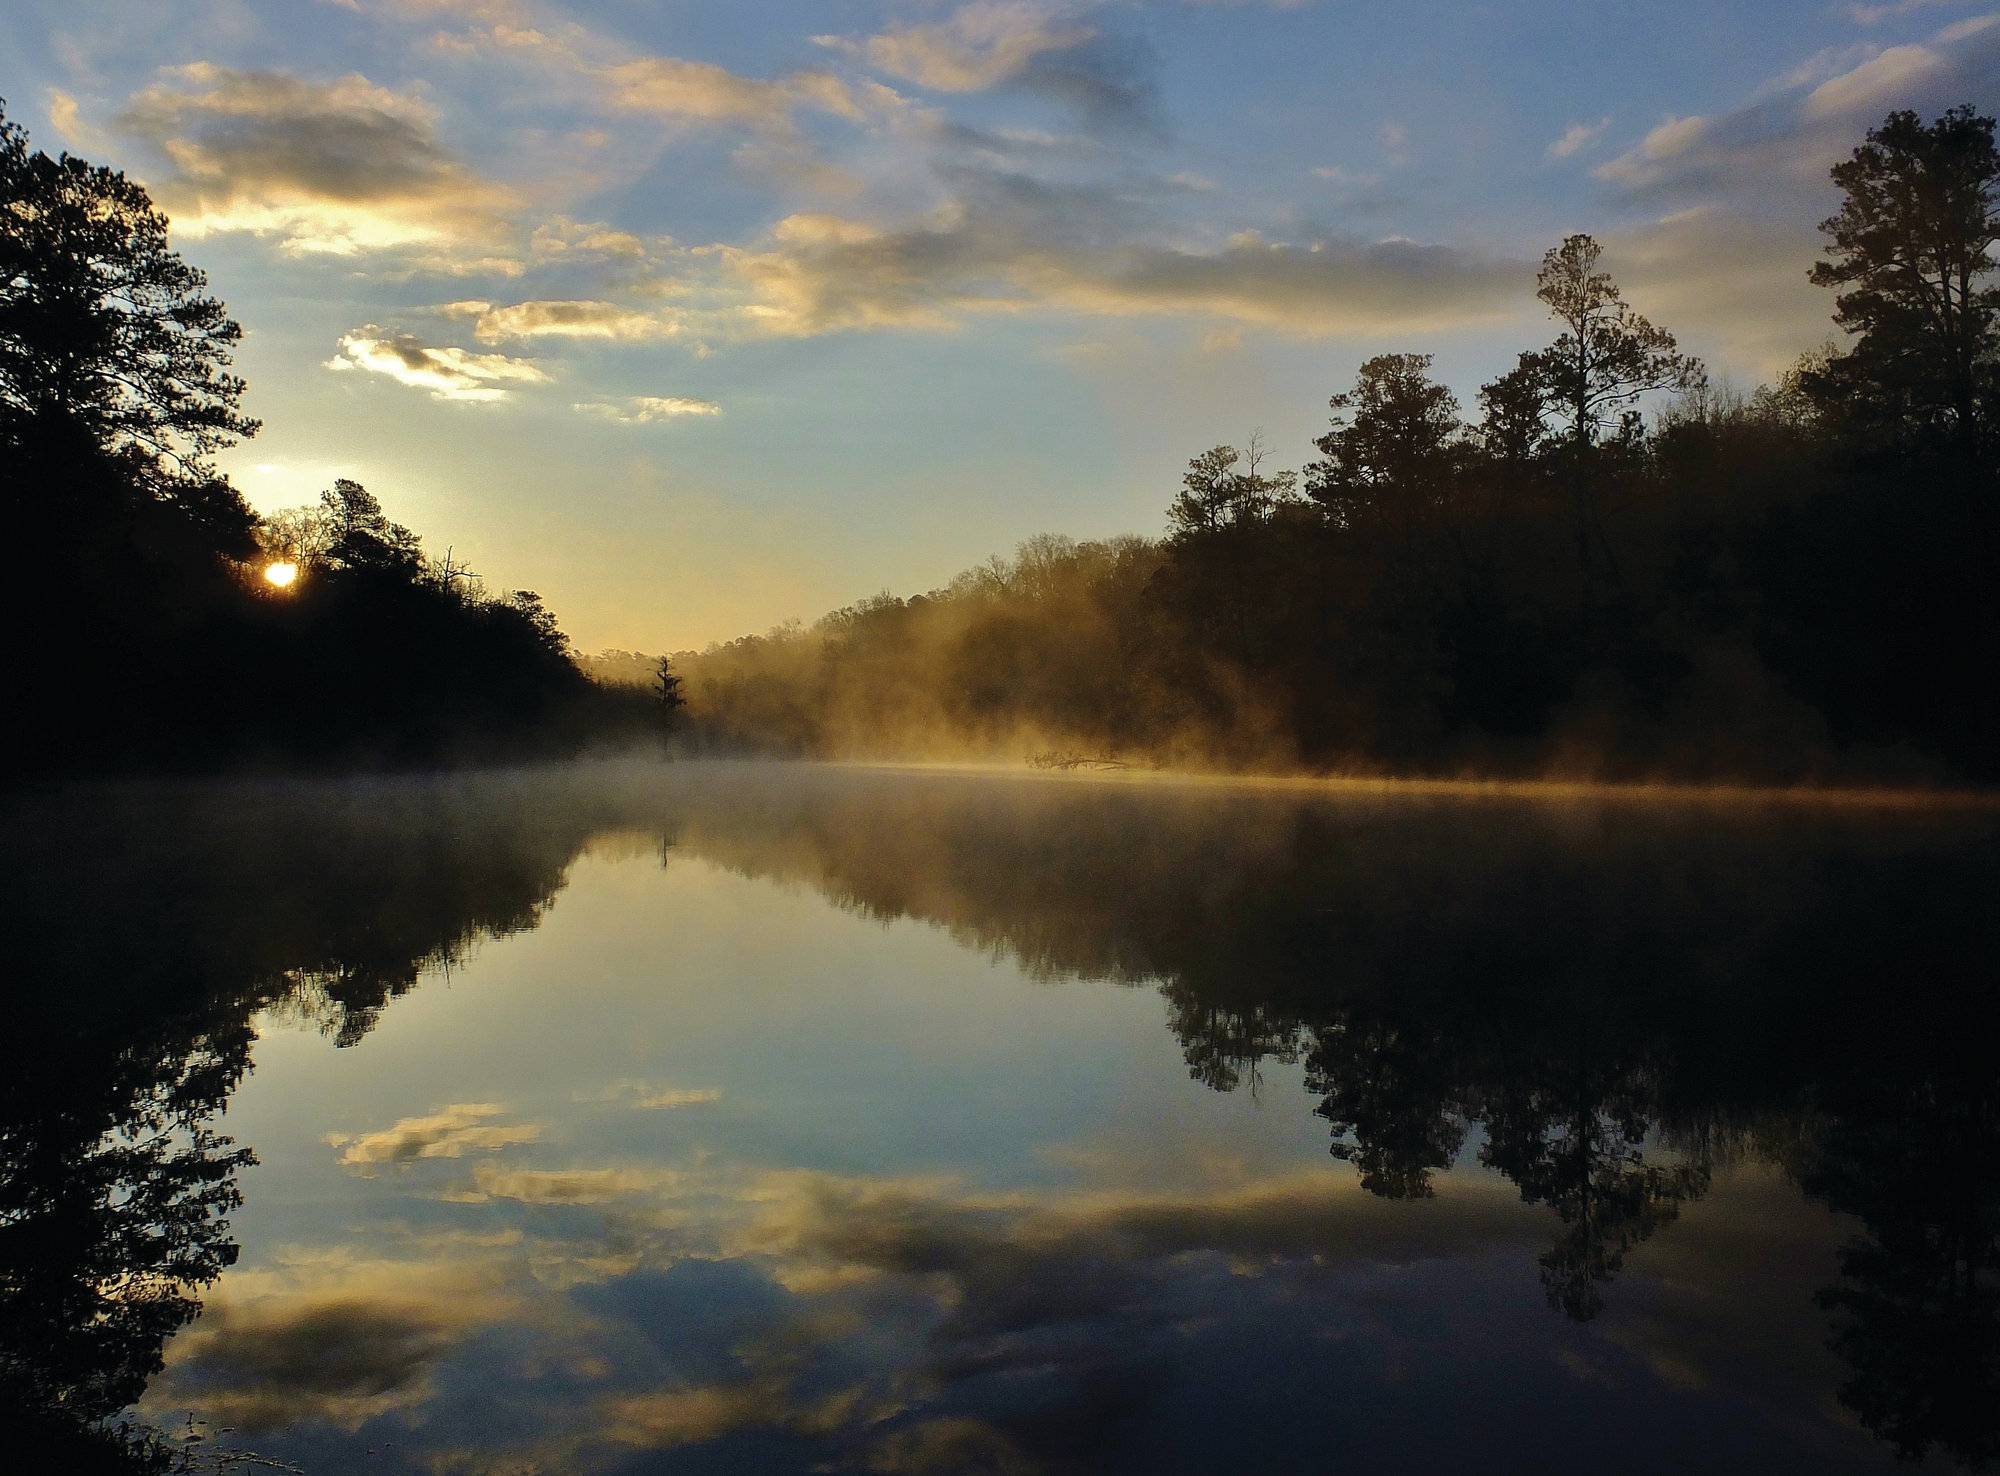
{"points": [[758, 1118]]}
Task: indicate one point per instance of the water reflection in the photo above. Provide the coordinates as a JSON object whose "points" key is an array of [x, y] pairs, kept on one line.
{"points": [[144, 929], [1607, 1006]]}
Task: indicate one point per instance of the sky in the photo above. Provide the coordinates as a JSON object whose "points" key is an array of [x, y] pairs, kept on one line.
{"points": [[700, 317]]}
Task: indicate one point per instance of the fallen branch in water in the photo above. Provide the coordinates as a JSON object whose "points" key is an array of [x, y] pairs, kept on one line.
{"points": [[1056, 758]]}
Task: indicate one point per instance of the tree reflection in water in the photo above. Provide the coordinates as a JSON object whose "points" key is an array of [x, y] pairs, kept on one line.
{"points": [[1916, 1315], [1613, 999], [145, 930], [1608, 1002], [114, 1192]]}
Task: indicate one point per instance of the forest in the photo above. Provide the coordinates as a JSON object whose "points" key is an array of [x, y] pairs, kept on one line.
{"points": [[1608, 567]]}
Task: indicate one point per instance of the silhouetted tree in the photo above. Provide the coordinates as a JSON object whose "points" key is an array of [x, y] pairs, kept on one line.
{"points": [[109, 342], [1514, 408], [1389, 454], [1216, 495], [1901, 552], [1390, 472], [360, 538], [667, 688], [1910, 252], [1607, 357]]}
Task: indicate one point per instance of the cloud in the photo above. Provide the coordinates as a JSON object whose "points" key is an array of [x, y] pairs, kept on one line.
{"points": [[451, 1132], [341, 1360], [870, 1305], [645, 410], [1869, 15], [448, 373], [639, 1094], [1079, 1291], [1877, 85], [339, 167], [1731, 281], [561, 239], [327, 1335], [953, 1443], [668, 87], [674, 1417], [561, 319], [932, 1228], [560, 1186], [1577, 137], [67, 119], [1041, 48], [669, 1097], [1775, 152], [822, 273], [978, 47]]}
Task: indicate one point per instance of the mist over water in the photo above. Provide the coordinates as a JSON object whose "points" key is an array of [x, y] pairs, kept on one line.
{"points": [[765, 1117]]}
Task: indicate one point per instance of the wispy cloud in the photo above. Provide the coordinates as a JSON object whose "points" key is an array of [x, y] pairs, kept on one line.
{"points": [[448, 373], [450, 1132], [1785, 141], [560, 239], [1578, 137], [669, 87], [560, 1186], [979, 46], [1732, 279], [1869, 15], [1738, 190], [1093, 1283], [674, 88], [1034, 46], [668, 1097], [1026, 253], [561, 319], [645, 410], [68, 120]]}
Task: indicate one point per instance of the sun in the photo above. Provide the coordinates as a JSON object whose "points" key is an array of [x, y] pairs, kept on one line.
{"points": [[281, 575]]}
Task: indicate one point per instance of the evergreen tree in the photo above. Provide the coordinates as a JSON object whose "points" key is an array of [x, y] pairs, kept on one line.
{"points": [[1608, 356], [1910, 253], [111, 348]]}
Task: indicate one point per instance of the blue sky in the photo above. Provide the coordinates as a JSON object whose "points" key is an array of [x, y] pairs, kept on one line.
{"points": [[696, 317]]}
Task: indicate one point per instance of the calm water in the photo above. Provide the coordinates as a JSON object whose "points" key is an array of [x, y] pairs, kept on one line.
{"points": [[768, 1119]]}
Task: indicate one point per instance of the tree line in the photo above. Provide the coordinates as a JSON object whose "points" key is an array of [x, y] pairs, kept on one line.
{"points": [[1613, 566], [325, 634]]}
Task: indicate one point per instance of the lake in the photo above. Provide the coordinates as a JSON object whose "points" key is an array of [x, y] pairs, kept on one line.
{"points": [[779, 1118]]}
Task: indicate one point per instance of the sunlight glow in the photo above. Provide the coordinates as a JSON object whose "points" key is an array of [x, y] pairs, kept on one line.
{"points": [[281, 575]]}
